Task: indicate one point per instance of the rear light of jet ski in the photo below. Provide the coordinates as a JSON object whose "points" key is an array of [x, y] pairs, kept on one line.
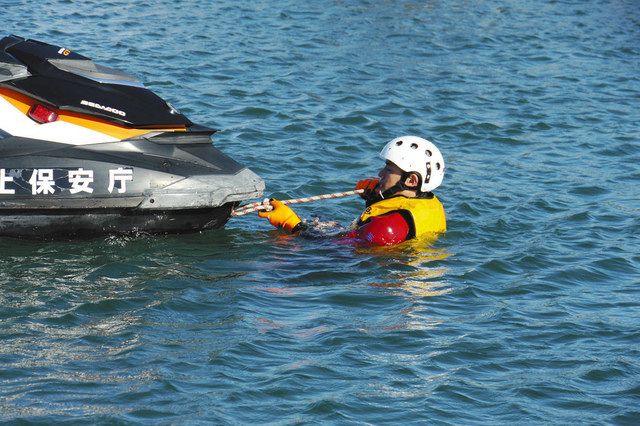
{"points": [[42, 114]]}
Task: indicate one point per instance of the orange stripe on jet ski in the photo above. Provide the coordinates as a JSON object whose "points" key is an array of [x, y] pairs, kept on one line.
{"points": [[21, 102], [24, 103]]}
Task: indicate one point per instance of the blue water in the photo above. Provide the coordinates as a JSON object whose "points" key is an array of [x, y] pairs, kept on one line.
{"points": [[527, 311]]}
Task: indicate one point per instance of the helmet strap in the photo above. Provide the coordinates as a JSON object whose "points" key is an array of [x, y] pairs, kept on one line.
{"points": [[390, 192], [401, 186]]}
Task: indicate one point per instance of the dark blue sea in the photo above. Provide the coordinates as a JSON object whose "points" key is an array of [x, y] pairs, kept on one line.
{"points": [[527, 311]]}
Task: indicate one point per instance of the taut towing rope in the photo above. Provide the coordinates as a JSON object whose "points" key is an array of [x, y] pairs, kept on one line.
{"points": [[264, 205]]}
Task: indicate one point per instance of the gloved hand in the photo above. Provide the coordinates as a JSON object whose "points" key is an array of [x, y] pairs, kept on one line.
{"points": [[369, 185], [281, 216]]}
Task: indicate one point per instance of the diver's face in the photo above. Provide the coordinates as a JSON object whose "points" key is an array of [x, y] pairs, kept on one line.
{"points": [[389, 176]]}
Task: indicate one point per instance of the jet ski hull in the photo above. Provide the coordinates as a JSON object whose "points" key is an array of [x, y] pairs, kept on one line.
{"points": [[84, 223], [143, 185]]}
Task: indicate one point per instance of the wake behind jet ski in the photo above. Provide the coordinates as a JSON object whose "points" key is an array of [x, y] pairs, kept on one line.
{"points": [[88, 150]]}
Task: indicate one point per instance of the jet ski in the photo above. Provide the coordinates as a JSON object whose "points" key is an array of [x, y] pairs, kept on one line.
{"points": [[88, 150]]}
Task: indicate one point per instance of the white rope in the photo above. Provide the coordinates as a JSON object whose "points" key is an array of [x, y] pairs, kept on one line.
{"points": [[265, 205]]}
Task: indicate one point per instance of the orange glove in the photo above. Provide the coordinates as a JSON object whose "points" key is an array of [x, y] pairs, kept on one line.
{"points": [[281, 216], [368, 185]]}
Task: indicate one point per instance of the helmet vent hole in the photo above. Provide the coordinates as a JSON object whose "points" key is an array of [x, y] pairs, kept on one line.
{"points": [[398, 143], [414, 145], [438, 166], [428, 153]]}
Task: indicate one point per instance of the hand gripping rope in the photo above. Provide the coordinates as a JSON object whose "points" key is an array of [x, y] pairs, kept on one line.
{"points": [[264, 205]]}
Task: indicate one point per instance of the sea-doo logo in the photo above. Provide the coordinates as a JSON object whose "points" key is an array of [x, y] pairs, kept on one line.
{"points": [[104, 108]]}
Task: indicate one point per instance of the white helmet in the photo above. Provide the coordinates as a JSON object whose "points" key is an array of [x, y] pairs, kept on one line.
{"points": [[418, 155]]}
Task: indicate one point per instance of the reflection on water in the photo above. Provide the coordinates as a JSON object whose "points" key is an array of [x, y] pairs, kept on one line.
{"points": [[416, 269], [414, 273]]}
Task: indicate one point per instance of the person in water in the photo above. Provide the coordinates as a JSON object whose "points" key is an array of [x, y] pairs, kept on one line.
{"points": [[400, 205]]}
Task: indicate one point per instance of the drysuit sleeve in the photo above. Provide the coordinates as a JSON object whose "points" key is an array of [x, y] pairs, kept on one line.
{"points": [[385, 230]]}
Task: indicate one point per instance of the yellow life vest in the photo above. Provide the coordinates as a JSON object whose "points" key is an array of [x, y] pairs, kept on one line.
{"points": [[427, 214]]}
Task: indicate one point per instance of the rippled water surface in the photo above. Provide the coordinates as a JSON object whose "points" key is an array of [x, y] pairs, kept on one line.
{"points": [[527, 311]]}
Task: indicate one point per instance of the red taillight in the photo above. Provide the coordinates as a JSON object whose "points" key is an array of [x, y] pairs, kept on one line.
{"points": [[42, 114]]}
